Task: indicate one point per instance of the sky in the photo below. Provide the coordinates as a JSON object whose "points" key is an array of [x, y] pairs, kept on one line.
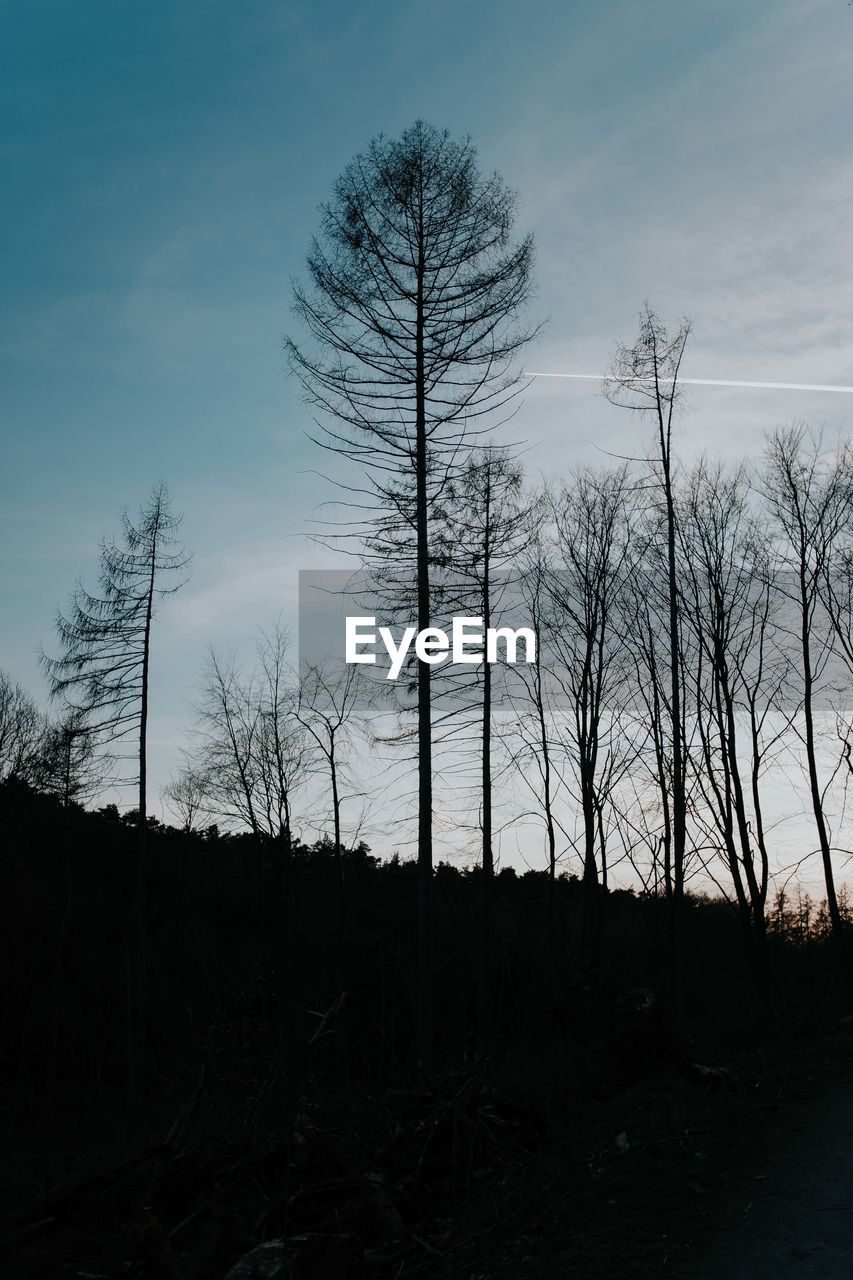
{"points": [[163, 167]]}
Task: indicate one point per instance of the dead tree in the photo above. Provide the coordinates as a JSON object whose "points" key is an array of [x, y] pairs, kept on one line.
{"points": [[326, 707], [534, 743], [837, 595], [250, 756], [645, 379], [591, 517], [739, 677], [416, 289], [184, 795], [22, 734], [810, 499], [103, 671], [103, 674], [485, 527]]}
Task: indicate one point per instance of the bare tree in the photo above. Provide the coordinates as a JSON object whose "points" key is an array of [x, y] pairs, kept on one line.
{"points": [[810, 499], [104, 669], [837, 588], [535, 742], [837, 595], [250, 755], [103, 674], [646, 813], [415, 294], [22, 733], [645, 379], [591, 518], [185, 795], [739, 677], [56, 756], [487, 524], [326, 706]]}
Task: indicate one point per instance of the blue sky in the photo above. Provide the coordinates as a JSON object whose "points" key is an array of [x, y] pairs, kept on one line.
{"points": [[163, 166]]}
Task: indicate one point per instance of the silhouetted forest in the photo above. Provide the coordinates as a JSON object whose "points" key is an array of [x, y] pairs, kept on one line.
{"points": [[261, 1033], [280, 1042], [241, 961]]}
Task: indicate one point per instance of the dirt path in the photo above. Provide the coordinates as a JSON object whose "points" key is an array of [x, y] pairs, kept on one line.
{"points": [[799, 1221]]}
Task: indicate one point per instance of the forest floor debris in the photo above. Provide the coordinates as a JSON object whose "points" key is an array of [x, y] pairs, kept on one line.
{"points": [[522, 1176]]}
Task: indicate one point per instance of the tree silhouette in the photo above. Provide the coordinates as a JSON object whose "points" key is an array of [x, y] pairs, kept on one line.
{"points": [[104, 669], [730, 600], [251, 754], [413, 308], [593, 530], [22, 733], [810, 502], [103, 676], [644, 378]]}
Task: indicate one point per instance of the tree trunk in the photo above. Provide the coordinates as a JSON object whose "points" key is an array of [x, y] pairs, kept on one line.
{"points": [[137, 1051], [679, 799], [425, 992], [487, 956], [811, 758]]}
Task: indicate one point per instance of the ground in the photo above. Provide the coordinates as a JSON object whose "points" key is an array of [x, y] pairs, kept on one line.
{"points": [[742, 1169], [798, 1221]]}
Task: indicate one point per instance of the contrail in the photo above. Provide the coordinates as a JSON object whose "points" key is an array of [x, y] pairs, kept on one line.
{"points": [[711, 382]]}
